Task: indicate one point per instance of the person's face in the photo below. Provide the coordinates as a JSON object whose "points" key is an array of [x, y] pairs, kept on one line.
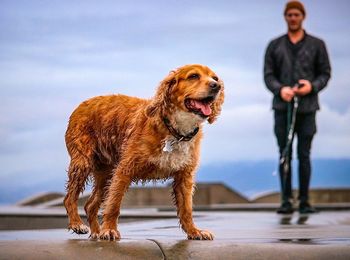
{"points": [[294, 19]]}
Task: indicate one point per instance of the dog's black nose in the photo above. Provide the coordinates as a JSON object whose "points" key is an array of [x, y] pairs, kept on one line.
{"points": [[214, 86]]}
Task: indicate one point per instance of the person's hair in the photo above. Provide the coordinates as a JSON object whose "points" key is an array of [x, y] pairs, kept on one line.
{"points": [[294, 5]]}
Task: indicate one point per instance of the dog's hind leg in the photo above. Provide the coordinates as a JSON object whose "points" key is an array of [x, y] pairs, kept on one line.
{"points": [[94, 202], [78, 172]]}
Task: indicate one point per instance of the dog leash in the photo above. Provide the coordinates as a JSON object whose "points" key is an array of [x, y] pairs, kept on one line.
{"points": [[291, 126], [291, 119]]}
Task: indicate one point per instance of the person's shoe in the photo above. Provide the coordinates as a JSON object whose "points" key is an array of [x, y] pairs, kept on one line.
{"points": [[285, 208], [306, 208]]}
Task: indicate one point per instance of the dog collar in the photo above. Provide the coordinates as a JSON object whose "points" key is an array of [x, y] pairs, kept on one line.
{"points": [[176, 134]]}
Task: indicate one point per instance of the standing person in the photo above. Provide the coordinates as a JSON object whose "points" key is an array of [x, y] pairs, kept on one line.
{"points": [[296, 69]]}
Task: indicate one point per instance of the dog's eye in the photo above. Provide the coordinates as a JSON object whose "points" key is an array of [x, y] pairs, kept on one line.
{"points": [[215, 78], [194, 76]]}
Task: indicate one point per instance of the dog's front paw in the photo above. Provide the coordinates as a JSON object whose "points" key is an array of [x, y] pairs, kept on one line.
{"points": [[95, 232], [109, 234], [94, 236], [198, 234], [79, 228]]}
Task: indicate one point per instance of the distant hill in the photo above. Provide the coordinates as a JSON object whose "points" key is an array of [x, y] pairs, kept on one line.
{"points": [[247, 177]]}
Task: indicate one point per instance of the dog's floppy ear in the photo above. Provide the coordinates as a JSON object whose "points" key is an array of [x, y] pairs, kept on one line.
{"points": [[162, 98], [216, 106]]}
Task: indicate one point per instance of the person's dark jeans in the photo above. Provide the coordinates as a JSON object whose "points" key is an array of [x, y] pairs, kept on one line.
{"points": [[305, 129]]}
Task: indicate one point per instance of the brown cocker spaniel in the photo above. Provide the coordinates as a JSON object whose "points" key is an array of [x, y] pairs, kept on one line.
{"points": [[119, 139]]}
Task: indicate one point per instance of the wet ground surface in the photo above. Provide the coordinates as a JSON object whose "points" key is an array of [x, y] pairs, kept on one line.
{"points": [[238, 235]]}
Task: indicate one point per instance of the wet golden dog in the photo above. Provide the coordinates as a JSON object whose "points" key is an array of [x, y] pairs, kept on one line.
{"points": [[119, 139]]}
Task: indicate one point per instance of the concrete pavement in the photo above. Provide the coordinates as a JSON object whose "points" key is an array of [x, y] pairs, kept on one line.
{"points": [[238, 235]]}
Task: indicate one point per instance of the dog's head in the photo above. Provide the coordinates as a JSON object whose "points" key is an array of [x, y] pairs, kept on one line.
{"points": [[195, 89]]}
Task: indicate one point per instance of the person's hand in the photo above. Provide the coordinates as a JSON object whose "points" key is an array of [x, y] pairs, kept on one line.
{"points": [[287, 93], [305, 88]]}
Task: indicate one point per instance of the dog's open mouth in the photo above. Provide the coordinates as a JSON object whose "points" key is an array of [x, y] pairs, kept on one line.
{"points": [[200, 106]]}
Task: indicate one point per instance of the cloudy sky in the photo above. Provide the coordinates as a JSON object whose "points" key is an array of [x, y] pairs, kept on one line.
{"points": [[55, 54]]}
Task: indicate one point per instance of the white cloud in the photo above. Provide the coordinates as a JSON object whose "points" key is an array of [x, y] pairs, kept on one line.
{"points": [[241, 133], [333, 137], [246, 132]]}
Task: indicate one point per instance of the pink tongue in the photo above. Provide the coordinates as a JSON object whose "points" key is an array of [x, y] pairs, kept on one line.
{"points": [[205, 108]]}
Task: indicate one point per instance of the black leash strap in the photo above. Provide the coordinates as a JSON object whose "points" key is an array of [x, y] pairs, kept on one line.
{"points": [[285, 160], [285, 154]]}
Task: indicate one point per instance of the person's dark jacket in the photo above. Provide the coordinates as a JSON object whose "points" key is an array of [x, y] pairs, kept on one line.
{"points": [[282, 68]]}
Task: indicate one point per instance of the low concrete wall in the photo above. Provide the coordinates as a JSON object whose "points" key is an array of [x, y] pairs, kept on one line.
{"points": [[40, 198], [217, 193], [205, 194], [335, 195]]}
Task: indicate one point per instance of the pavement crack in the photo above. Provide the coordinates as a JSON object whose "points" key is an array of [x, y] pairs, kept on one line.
{"points": [[160, 247]]}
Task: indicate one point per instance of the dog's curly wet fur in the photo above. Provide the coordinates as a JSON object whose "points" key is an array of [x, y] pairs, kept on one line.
{"points": [[118, 140]]}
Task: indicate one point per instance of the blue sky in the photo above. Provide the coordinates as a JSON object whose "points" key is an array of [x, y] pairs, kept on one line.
{"points": [[55, 54]]}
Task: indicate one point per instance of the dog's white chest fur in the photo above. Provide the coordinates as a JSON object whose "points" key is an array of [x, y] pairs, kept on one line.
{"points": [[176, 155], [168, 162]]}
